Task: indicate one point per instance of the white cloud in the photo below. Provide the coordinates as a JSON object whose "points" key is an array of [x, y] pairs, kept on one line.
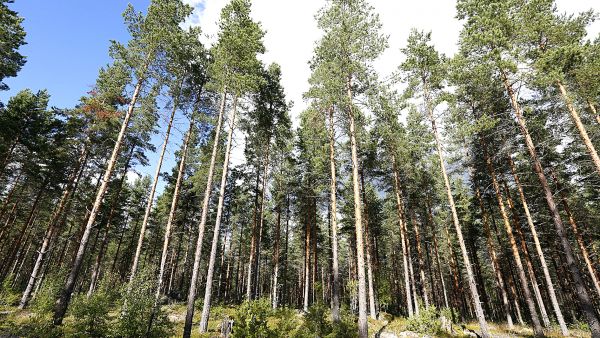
{"points": [[292, 31]]}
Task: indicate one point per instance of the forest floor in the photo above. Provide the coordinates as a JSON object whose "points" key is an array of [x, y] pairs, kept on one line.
{"points": [[388, 327]]}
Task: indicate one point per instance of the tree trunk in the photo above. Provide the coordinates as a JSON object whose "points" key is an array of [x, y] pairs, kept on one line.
{"points": [[101, 251], [436, 252], [53, 226], [495, 265], [62, 303], [413, 284], [16, 245], [370, 277], [276, 235], [580, 126], [216, 231], [538, 248], [257, 284], [187, 329], [360, 259], [253, 239], [528, 263], [582, 294], [537, 327], [579, 238], [594, 112], [171, 218], [405, 258], [307, 241], [471, 279], [150, 200], [420, 258]]}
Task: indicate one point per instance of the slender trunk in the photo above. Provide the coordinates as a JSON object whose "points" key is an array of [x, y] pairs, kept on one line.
{"points": [[171, 218], [150, 200], [421, 263], [11, 192], [436, 252], [276, 235], [580, 126], [537, 327], [405, 258], [8, 156], [53, 226], [370, 277], [413, 284], [582, 294], [16, 245], [540, 253], [495, 265], [307, 241], [105, 237], [253, 239], [578, 237], [261, 221], [471, 279], [62, 303], [594, 111], [360, 259], [528, 263], [216, 231], [187, 329]]}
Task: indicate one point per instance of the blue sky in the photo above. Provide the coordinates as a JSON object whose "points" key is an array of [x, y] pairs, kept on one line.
{"points": [[67, 43]]}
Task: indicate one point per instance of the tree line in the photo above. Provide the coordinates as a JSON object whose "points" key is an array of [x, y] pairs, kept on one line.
{"points": [[467, 182]]}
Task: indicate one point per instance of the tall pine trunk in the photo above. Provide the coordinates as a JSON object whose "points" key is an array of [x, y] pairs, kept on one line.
{"points": [[578, 237], [580, 126], [360, 251], [495, 265], [401, 220], [540, 253], [471, 278], [172, 211], [150, 200], [421, 262], [187, 329], [217, 228], [53, 226], [537, 327], [584, 299], [335, 292], [528, 263], [370, 277], [66, 291]]}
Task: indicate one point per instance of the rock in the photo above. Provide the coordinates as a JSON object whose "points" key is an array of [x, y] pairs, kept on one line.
{"points": [[386, 334], [446, 325]]}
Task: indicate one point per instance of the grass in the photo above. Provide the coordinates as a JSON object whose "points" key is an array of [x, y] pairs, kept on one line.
{"points": [[11, 318]]}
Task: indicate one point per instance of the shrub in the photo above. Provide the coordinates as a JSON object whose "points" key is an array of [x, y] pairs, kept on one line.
{"points": [[43, 303], [288, 322], [315, 321], [90, 315], [250, 320], [137, 311], [8, 295], [426, 322]]}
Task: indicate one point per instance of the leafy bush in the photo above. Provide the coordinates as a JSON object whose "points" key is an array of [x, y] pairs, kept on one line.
{"points": [[288, 322], [345, 328], [426, 322], [8, 295], [137, 311], [43, 303], [91, 314], [315, 321], [250, 320]]}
